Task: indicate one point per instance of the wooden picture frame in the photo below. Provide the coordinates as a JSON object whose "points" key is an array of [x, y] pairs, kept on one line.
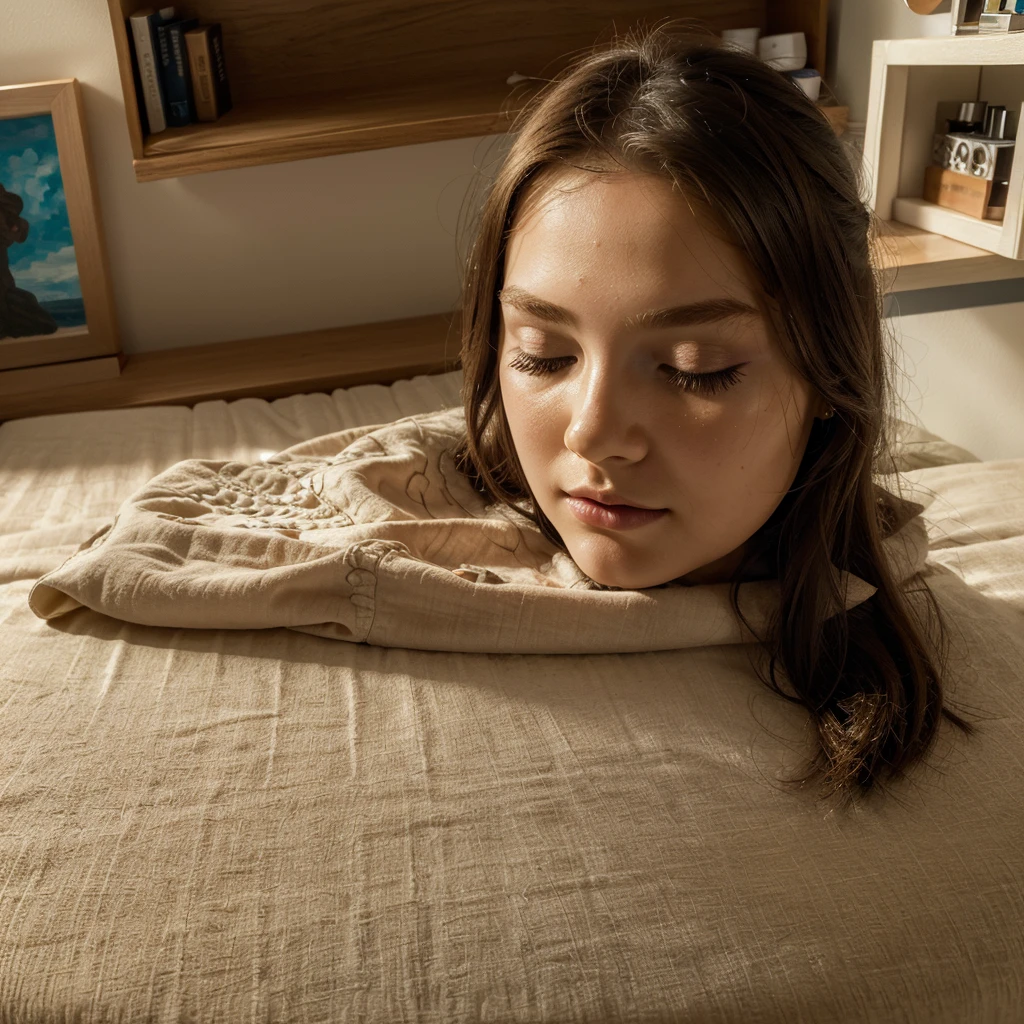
{"points": [[57, 317]]}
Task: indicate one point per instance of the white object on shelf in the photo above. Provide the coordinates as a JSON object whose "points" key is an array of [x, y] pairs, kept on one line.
{"points": [[808, 81], [908, 78], [784, 52]]}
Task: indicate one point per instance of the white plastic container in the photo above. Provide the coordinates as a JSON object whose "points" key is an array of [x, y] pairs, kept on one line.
{"points": [[785, 52], [808, 81]]}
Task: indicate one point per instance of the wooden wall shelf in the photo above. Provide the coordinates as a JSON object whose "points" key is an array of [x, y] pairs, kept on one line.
{"points": [[277, 131], [341, 77]]}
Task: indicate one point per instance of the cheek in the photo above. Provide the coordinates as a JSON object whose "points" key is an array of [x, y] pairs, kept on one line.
{"points": [[783, 419], [533, 416], [751, 445], [767, 395]]}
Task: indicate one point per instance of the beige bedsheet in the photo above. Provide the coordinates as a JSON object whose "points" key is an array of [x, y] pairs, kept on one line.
{"points": [[222, 825]]}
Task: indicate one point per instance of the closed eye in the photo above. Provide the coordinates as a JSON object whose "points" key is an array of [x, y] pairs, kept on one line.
{"points": [[695, 383]]}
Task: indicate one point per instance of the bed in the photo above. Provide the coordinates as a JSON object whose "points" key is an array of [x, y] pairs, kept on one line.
{"points": [[238, 825]]}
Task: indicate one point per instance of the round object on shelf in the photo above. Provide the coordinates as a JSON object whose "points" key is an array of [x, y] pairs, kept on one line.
{"points": [[808, 81], [784, 52], [960, 159]]}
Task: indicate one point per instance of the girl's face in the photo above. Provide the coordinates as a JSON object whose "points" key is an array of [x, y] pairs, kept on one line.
{"points": [[695, 413]]}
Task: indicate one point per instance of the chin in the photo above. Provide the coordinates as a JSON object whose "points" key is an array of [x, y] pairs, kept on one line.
{"points": [[610, 577], [620, 573]]}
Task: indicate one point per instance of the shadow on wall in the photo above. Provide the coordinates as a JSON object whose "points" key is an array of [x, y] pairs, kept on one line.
{"points": [[962, 364], [961, 296]]}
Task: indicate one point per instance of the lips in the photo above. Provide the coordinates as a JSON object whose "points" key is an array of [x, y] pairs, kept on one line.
{"points": [[613, 517], [609, 499]]}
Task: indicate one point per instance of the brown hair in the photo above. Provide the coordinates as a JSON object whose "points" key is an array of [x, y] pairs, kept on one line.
{"points": [[746, 147]]}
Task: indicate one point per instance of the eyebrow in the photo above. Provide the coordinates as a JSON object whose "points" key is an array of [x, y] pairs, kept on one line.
{"points": [[706, 311]]}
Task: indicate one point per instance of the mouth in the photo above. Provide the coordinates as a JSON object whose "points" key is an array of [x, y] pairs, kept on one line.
{"points": [[638, 508], [616, 504], [613, 517]]}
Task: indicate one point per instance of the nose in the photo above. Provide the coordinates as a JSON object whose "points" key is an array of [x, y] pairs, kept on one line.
{"points": [[605, 420]]}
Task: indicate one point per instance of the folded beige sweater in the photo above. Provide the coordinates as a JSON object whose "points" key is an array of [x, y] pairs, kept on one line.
{"points": [[372, 535]]}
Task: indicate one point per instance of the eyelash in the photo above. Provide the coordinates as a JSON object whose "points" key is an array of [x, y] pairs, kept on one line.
{"points": [[697, 383]]}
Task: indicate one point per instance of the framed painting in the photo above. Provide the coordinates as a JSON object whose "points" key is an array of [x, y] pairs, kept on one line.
{"points": [[56, 304]]}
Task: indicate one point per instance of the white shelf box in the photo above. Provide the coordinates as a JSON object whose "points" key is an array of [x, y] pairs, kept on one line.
{"points": [[908, 78]]}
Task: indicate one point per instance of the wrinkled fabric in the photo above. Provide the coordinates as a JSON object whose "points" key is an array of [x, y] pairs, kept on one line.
{"points": [[229, 825], [372, 535]]}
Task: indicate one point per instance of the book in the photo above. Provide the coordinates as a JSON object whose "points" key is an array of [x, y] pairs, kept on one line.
{"points": [[137, 81], [174, 71], [144, 26], [210, 90]]}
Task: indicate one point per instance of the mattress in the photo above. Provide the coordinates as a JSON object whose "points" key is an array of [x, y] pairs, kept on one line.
{"points": [[262, 824]]}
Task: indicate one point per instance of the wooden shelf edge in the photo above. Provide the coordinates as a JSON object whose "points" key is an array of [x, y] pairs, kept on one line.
{"points": [[273, 367], [948, 273], [910, 258], [72, 373], [287, 148], [301, 128]]}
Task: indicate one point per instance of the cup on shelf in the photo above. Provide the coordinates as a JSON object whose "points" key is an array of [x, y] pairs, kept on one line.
{"points": [[784, 52]]}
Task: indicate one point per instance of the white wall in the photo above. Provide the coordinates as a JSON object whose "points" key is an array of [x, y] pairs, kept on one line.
{"points": [[374, 236], [964, 376], [853, 26]]}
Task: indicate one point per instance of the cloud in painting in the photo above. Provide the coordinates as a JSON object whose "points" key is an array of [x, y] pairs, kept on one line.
{"points": [[55, 277], [33, 176], [44, 263]]}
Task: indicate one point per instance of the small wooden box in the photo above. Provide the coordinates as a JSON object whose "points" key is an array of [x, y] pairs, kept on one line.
{"points": [[957, 191]]}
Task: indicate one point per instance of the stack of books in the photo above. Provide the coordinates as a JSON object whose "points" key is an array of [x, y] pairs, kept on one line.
{"points": [[180, 75]]}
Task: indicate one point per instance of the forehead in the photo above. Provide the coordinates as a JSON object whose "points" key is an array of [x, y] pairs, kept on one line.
{"points": [[622, 230]]}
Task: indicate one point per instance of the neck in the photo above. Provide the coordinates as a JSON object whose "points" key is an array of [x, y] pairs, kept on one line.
{"points": [[722, 570]]}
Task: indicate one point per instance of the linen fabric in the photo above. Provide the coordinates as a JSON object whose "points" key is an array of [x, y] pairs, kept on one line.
{"points": [[229, 825]]}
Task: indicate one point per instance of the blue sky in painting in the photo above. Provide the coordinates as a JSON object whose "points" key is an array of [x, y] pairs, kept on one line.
{"points": [[44, 263]]}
